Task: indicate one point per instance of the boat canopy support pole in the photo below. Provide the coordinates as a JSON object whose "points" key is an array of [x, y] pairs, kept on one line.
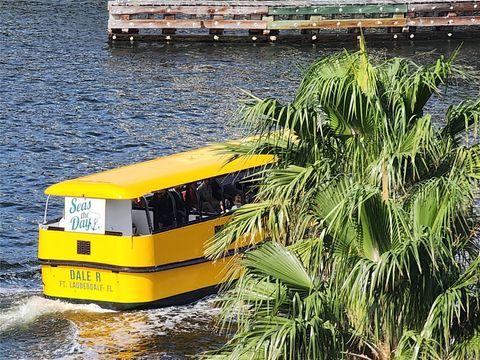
{"points": [[147, 212], [46, 210]]}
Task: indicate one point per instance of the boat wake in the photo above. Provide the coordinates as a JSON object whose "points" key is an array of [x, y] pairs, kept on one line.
{"points": [[31, 308], [57, 329], [175, 330]]}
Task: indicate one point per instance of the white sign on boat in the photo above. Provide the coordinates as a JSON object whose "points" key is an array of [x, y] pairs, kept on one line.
{"points": [[85, 215]]}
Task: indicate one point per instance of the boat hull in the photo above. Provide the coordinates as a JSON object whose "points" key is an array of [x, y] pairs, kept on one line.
{"points": [[181, 299], [123, 290]]}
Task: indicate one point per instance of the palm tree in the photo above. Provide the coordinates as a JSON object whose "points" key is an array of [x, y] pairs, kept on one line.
{"points": [[368, 217]]}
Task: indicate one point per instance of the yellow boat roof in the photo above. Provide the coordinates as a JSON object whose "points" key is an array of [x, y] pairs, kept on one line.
{"points": [[132, 181]]}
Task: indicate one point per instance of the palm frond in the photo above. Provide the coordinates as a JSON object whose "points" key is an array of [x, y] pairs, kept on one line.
{"points": [[452, 308], [461, 118], [279, 320], [274, 260]]}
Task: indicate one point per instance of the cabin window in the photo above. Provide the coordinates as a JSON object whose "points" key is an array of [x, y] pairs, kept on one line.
{"points": [[158, 211], [142, 217], [118, 217], [190, 203]]}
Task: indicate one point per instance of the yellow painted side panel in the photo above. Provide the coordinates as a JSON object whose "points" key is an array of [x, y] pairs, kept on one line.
{"points": [[104, 249], [176, 245], [103, 285], [185, 243]]}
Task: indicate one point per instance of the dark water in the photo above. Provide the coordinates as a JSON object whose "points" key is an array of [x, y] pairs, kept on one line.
{"points": [[70, 104]]}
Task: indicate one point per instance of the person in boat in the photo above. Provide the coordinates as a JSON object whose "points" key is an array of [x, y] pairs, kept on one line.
{"points": [[180, 206], [189, 196], [209, 194], [237, 201], [162, 210], [139, 203]]}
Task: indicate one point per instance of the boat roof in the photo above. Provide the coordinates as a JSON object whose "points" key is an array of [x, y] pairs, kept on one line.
{"points": [[133, 181]]}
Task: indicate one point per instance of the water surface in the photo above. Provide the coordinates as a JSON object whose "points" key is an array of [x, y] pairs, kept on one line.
{"points": [[71, 104]]}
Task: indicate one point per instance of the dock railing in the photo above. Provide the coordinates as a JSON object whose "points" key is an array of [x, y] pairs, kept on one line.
{"points": [[256, 20]]}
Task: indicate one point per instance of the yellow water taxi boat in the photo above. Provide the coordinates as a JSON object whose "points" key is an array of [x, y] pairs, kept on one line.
{"points": [[134, 237]]}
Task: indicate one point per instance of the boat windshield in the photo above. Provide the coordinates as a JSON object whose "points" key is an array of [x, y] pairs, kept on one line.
{"points": [[54, 211]]}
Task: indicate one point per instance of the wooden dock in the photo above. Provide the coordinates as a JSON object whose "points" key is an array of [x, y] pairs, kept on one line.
{"points": [[289, 20]]}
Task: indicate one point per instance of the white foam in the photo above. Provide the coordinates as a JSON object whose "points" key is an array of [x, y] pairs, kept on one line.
{"points": [[184, 318], [126, 332], [31, 308]]}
